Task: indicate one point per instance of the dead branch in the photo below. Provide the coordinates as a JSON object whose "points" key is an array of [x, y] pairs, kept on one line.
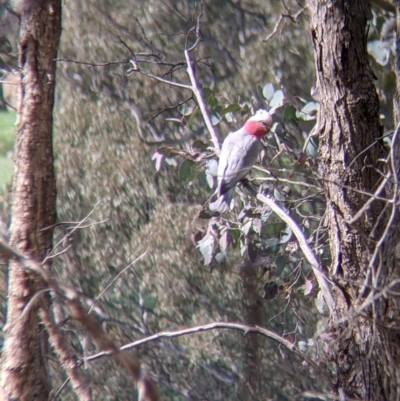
{"points": [[216, 326], [308, 253], [279, 24]]}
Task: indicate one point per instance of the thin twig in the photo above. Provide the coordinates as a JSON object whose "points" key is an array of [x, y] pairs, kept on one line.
{"points": [[393, 201], [119, 275], [370, 200], [90, 64], [157, 78], [278, 24], [79, 225]]}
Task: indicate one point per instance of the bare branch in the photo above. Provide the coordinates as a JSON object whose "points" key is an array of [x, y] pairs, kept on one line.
{"points": [[89, 64], [216, 326], [157, 78], [280, 22], [199, 96], [308, 253]]}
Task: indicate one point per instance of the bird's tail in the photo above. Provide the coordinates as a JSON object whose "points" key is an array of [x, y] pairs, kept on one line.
{"points": [[222, 204]]}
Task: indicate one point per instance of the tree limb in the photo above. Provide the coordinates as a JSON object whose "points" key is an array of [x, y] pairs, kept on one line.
{"points": [[308, 253]]}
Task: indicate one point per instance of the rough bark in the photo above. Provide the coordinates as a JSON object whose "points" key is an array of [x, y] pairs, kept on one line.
{"points": [[24, 374], [348, 126], [396, 111]]}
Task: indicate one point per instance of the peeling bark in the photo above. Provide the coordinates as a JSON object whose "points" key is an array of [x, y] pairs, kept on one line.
{"points": [[24, 373]]}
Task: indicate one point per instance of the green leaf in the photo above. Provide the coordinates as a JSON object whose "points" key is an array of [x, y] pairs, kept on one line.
{"points": [[207, 92], [200, 145], [203, 180], [187, 170], [289, 114], [149, 302], [233, 108], [280, 263], [234, 236], [212, 100]]}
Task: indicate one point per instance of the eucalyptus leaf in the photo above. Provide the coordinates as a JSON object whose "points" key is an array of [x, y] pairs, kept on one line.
{"points": [[280, 263], [206, 247], [287, 235], [268, 91], [186, 170], [278, 100], [220, 257], [379, 50]]}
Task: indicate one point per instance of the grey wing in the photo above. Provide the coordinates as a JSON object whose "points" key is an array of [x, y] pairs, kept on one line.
{"points": [[240, 155]]}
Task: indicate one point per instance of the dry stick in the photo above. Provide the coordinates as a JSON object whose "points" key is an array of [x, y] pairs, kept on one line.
{"points": [[200, 100], [216, 326], [370, 200], [157, 78], [308, 253], [279, 23], [79, 225], [146, 388], [193, 88]]}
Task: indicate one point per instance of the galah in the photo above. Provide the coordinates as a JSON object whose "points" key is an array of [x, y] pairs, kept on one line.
{"points": [[239, 152]]}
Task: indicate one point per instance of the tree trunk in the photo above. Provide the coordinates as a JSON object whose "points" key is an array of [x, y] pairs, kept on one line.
{"points": [[362, 253], [253, 316], [24, 375]]}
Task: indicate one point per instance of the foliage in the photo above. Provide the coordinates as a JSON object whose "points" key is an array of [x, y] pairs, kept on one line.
{"points": [[115, 132], [104, 155], [7, 129]]}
